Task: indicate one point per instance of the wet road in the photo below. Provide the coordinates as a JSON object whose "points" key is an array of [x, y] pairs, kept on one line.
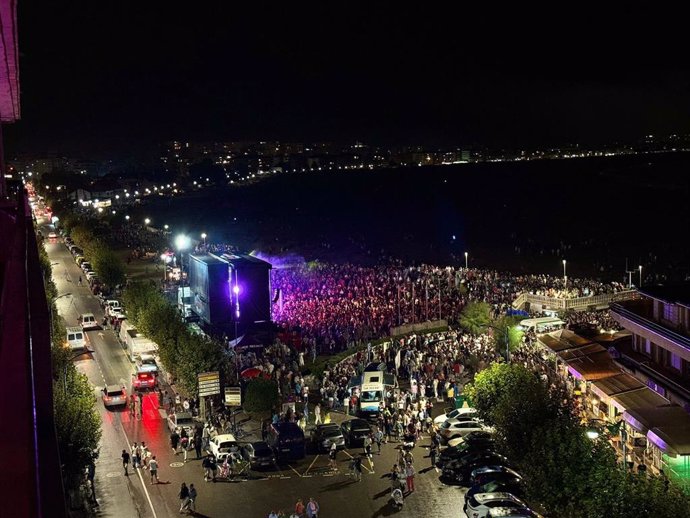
{"points": [[338, 493]]}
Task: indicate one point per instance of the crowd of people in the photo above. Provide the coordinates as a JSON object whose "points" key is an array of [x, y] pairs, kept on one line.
{"points": [[335, 306]]}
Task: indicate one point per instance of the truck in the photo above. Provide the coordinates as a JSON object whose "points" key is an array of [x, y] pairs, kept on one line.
{"points": [[373, 385]]}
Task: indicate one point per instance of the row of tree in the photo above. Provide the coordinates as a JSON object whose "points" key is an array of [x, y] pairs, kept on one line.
{"points": [[107, 264], [566, 472], [184, 354], [77, 422]]}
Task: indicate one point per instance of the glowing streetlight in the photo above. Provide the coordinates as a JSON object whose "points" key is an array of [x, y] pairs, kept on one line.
{"points": [[127, 217], [166, 227], [565, 277], [147, 221], [465, 260], [182, 242], [640, 267], [203, 236]]}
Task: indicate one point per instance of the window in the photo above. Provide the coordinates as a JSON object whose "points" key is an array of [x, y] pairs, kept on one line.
{"points": [[648, 347], [669, 313], [676, 362]]}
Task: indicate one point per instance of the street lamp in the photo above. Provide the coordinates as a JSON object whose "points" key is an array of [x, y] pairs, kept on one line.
{"points": [[127, 217], [166, 227], [203, 236], [640, 267], [565, 276], [147, 221], [182, 243], [465, 260]]}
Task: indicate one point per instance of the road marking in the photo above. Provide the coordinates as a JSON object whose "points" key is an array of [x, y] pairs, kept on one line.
{"points": [[293, 469], [310, 465], [143, 484], [176, 464], [113, 474]]}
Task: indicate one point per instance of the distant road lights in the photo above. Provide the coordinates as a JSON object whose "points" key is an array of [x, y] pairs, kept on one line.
{"points": [[147, 221]]}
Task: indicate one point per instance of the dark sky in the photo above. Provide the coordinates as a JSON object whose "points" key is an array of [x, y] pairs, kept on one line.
{"points": [[110, 79]]}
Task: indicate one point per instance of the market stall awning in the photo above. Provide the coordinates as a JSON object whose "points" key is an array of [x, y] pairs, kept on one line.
{"points": [[593, 366], [644, 409], [616, 385], [581, 352], [673, 439], [563, 340]]}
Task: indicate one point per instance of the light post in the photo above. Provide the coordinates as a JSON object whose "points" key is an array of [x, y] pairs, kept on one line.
{"points": [[127, 217], [147, 221], [203, 236], [640, 267], [465, 260], [565, 276], [182, 243], [507, 336]]}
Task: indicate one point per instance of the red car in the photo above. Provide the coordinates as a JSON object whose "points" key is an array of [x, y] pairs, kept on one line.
{"points": [[143, 380]]}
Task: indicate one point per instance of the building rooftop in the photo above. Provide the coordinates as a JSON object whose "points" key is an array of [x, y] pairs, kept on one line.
{"points": [[674, 294]]}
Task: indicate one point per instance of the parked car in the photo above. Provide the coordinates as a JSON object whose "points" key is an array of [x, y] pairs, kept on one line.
{"points": [[459, 427], [79, 260], [479, 505], [86, 266], [76, 338], [324, 435], [147, 363], [485, 474], [88, 321], [113, 396], [462, 449], [181, 420], [512, 512], [259, 454], [354, 431], [503, 483], [477, 437], [52, 235], [286, 440], [223, 445], [460, 470], [110, 304], [452, 414]]}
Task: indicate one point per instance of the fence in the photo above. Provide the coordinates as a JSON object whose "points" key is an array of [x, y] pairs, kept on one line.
{"points": [[573, 304]]}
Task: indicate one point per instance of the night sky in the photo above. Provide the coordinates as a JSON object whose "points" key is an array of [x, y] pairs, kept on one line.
{"points": [[122, 78]]}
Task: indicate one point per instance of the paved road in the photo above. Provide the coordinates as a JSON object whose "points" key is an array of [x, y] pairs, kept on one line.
{"points": [[119, 496]]}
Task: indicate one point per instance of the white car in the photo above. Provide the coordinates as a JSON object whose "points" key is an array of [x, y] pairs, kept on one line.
{"points": [[181, 420], [223, 445], [459, 427], [52, 235], [111, 304], [88, 321], [479, 505], [147, 363], [90, 275], [458, 412]]}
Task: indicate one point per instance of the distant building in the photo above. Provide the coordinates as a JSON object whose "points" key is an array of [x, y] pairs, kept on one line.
{"points": [[659, 354]]}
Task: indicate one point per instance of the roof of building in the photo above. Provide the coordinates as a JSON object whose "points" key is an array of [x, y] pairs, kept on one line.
{"points": [[672, 293], [207, 258], [616, 385], [563, 340]]}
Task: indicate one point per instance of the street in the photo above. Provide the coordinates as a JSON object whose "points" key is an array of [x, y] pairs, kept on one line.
{"points": [[337, 493]]}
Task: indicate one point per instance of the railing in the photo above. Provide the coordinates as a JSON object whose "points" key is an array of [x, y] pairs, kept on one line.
{"points": [[653, 326], [572, 304]]}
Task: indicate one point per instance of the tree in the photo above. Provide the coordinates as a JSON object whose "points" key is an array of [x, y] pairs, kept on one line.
{"points": [[475, 317], [109, 267], [261, 395], [515, 333]]}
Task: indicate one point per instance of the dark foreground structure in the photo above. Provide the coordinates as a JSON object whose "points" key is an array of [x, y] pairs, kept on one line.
{"points": [[31, 480]]}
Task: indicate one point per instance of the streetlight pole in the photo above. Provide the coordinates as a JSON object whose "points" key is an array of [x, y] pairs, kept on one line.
{"points": [[640, 276], [465, 260], [565, 276]]}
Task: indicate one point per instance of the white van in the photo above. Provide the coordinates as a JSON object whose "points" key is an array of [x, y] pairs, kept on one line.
{"points": [[88, 321], [76, 338]]}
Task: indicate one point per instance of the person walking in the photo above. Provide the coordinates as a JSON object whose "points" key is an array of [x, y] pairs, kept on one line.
{"points": [[317, 414], [125, 461], [80, 283], [134, 451], [183, 495], [174, 441], [206, 464], [197, 445], [153, 468], [184, 444], [191, 504], [433, 453], [132, 406], [312, 509], [410, 473], [333, 455], [140, 405], [378, 438]]}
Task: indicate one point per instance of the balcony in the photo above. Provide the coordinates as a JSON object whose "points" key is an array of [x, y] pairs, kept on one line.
{"points": [[637, 318]]}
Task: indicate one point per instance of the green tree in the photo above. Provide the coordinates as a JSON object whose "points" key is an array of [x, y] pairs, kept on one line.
{"points": [[109, 267], [475, 317], [514, 334], [261, 395]]}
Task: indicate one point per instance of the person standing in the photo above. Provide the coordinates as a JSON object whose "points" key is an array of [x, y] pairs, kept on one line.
{"points": [[132, 406], [197, 445], [140, 405], [433, 453], [410, 473], [174, 441], [125, 461], [299, 508], [153, 467], [183, 496], [312, 509], [317, 414], [333, 455], [191, 505]]}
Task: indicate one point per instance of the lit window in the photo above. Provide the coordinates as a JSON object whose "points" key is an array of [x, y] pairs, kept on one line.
{"points": [[676, 362]]}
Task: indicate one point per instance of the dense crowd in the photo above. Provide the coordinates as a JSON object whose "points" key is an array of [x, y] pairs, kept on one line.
{"points": [[337, 305]]}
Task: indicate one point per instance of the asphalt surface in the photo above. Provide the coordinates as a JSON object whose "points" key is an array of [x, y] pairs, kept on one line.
{"points": [[337, 493]]}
